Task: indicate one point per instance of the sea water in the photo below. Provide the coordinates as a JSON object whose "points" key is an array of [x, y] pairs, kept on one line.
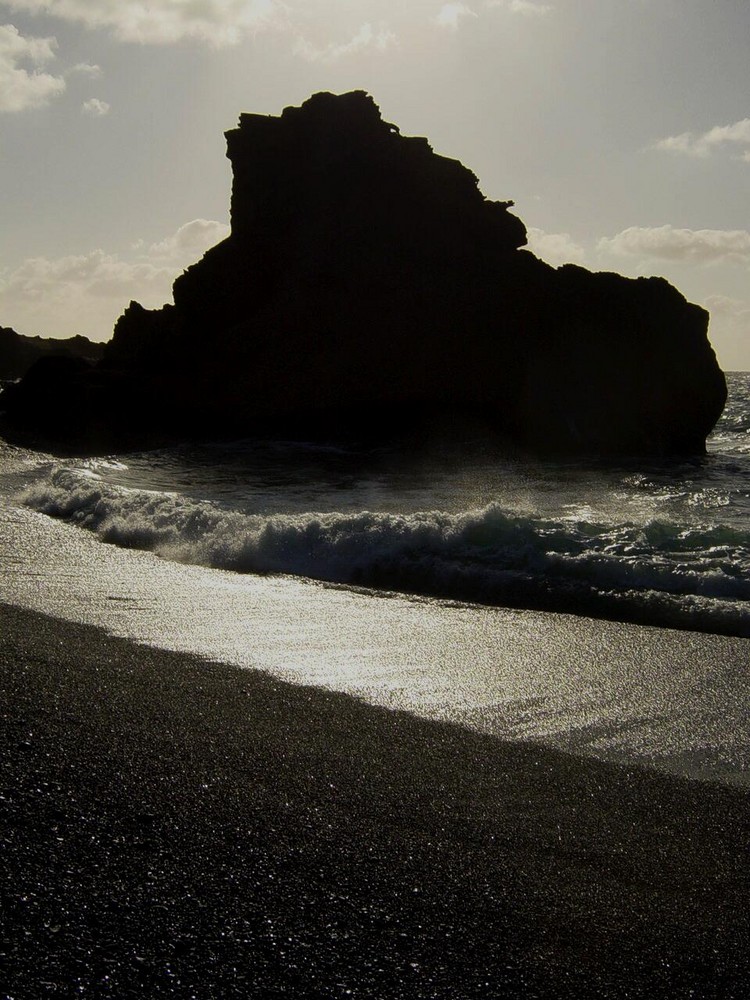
{"points": [[388, 572], [661, 543]]}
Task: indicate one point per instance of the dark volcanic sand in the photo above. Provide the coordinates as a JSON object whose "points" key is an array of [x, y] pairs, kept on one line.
{"points": [[178, 828]]}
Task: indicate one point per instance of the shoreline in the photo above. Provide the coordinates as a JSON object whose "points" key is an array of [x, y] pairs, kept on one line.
{"points": [[674, 699], [186, 828]]}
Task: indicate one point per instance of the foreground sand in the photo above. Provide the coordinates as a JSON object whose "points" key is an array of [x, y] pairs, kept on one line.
{"points": [[178, 828]]}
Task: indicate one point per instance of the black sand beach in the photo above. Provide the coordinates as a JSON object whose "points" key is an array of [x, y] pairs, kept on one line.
{"points": [[173, 827]]}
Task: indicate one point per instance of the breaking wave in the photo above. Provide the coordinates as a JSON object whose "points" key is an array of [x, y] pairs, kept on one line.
{"points": [[654, 573]]}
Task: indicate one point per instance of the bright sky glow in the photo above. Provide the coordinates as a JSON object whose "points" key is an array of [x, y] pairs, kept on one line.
{"points": [[619, 127]]}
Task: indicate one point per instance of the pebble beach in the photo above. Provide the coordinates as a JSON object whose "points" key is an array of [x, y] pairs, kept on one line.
{"points": [[176, 827]]}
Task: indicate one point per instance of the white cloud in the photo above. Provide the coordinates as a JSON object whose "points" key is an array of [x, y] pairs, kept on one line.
{"points": [[189, 242], [95, 108], [161, 22], [78, 294], [86, 293], [702, 246], [704, 144], [450, 14], [85, 69], [529, 8], [367, 37], [22, 88], [555, 248]]}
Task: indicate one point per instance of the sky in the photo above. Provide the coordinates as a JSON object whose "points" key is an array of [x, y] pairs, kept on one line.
{"points": [[620, 128]]}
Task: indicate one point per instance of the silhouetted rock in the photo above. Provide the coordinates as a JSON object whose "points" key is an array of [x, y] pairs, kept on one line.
{"points": [[367, 282], [18, 353]]}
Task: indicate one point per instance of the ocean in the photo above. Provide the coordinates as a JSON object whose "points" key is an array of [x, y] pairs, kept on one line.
{"points": [[600, 608]]}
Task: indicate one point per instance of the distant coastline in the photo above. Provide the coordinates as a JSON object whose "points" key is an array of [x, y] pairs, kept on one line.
{"points": [[18, 352]]}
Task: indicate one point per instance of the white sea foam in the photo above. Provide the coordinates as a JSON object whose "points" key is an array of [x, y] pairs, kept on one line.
{"points": [[694, 575]]}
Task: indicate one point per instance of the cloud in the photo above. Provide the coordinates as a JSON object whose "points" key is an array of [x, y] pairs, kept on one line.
{"points": [[702, 246], [85, 69], [379, 38], [86, 293], [22, 88], [555, 248], [707, 143], [450, 14], [189, 242], [78, 294], [95, 108], [529, 8], [162, 22]]}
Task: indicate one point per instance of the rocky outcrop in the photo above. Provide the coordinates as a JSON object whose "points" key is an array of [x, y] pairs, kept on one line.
{"points": [[18, 353], [368, 283]]}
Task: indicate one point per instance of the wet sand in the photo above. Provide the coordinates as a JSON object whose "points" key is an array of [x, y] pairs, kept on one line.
{"points": [[174, 827]]}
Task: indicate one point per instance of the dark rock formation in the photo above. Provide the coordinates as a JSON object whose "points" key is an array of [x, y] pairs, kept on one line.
{"points": [[18, 353], [367, 282]]}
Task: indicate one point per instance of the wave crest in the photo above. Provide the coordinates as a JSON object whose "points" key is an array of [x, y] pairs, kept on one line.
{"points": [[654, 572]]}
